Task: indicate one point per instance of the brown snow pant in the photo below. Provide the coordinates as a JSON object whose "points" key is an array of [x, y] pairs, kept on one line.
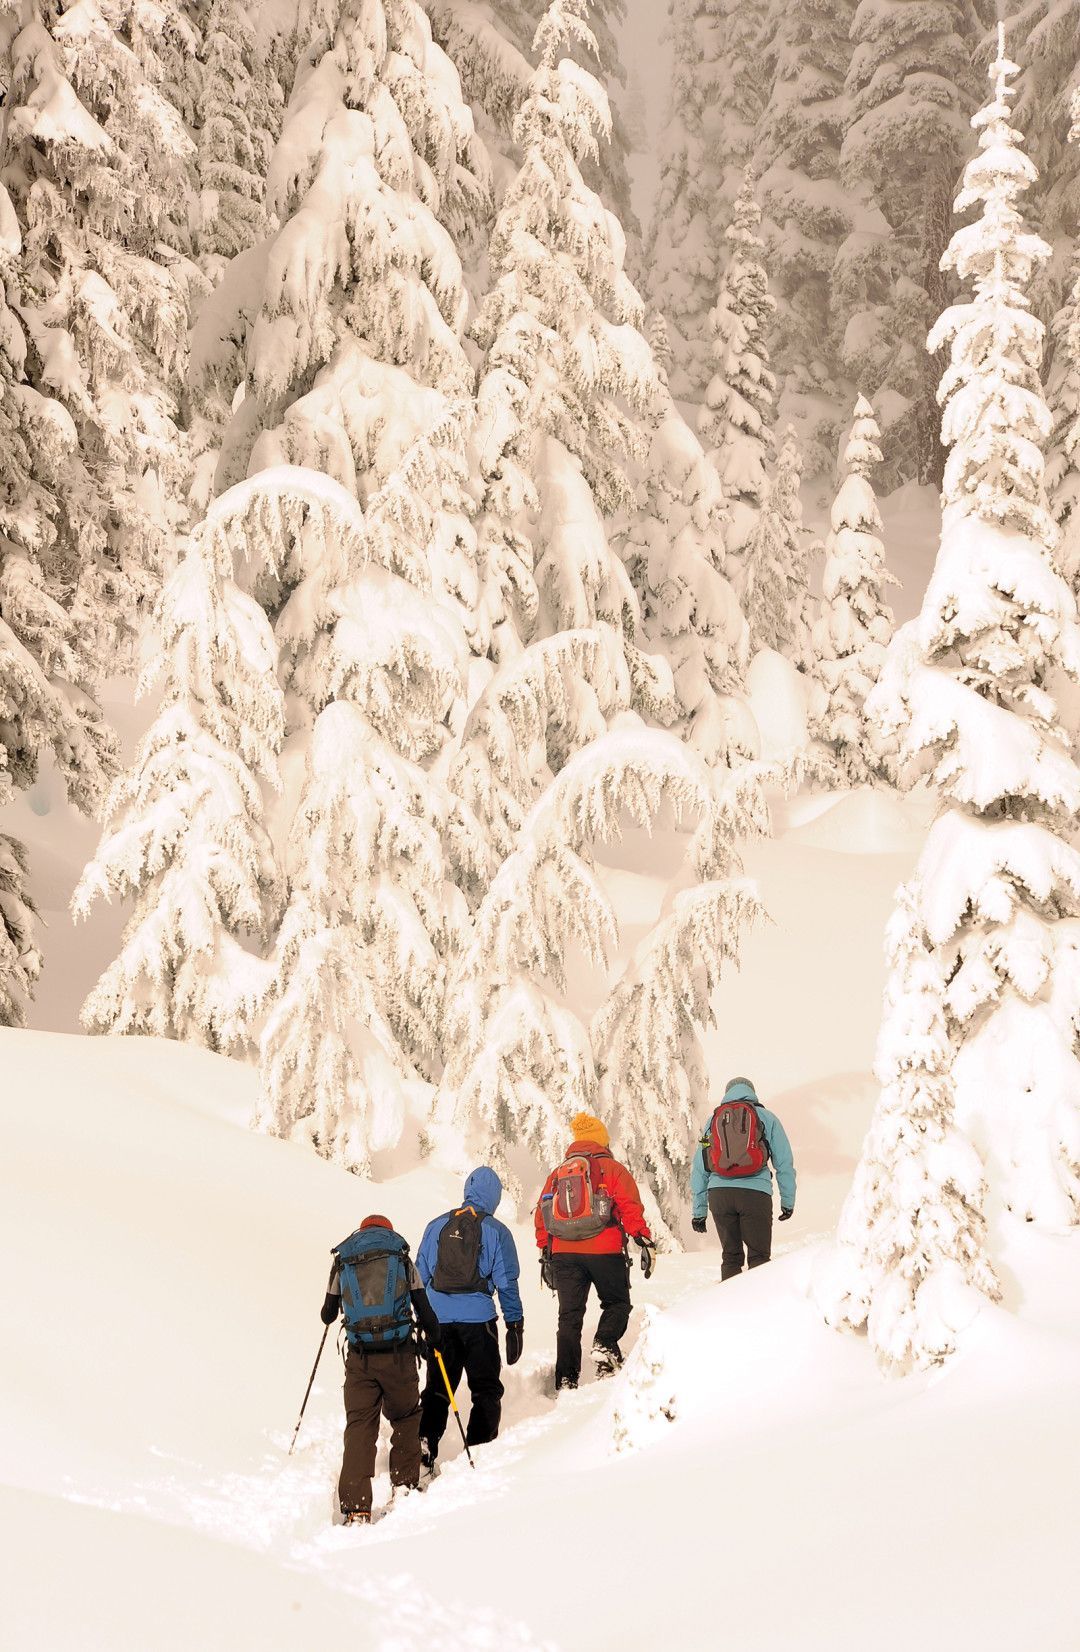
{"points": [[743, 1217], [379, 1383]]}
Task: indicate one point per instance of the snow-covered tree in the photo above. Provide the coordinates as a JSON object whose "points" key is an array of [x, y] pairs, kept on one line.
{"points": [[683, 255], [184, 827], [240, 121], [968, 689], [1063, 393], [910, 91], [96, 162], [521, 1061], [20, 960], [46, 707], [776, 594], [493, 48], [912, 1238], [855, 624], [807, 212], [736, 422], [739, 94], [356, 1022], [674, 549]]}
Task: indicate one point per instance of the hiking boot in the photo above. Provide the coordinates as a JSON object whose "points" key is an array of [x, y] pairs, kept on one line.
{"points": [[356, 1517], [399, 1494], [606, 1360], [427, 1458], [565, 1382]]}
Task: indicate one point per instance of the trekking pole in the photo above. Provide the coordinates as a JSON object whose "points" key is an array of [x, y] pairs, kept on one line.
{"points": [[307, 1391], [453, 1407]]}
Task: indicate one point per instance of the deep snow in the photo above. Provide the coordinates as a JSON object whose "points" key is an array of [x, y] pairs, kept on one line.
{"points": [[161, 1319]]}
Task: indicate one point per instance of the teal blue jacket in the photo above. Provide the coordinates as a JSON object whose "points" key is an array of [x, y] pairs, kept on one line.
{"points": [[702, 1178]]}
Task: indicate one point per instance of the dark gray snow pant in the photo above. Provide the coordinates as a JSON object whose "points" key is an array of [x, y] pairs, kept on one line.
{"points": [[743, 1217]]}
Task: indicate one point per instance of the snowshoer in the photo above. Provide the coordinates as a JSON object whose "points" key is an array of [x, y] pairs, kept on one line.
{"points": [[730, 1177], [588, 1209], [376, 1288], [465, 1257]]}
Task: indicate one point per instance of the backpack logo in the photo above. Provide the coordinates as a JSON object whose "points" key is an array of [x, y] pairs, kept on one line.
{"points": [[574, 1209], [735, 1144], [374, 1278], [457, 1260]]}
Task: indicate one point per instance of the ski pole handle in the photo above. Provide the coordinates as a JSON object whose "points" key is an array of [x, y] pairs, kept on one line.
{"points": [[307, 1391], [453, 1407]]}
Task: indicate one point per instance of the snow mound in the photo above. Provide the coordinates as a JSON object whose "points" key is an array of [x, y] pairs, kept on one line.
{"points": [[778, 701], [867, 821]]}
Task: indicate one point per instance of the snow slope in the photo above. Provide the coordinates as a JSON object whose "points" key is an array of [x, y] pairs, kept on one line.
{"points": [[161, 1318]]}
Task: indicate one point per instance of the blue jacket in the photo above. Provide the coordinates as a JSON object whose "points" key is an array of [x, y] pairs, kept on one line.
{"points": [[498, 1261], [702, 1178]]}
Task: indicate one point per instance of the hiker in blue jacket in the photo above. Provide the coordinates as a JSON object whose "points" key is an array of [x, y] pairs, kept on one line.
{"points": [[465, 1257], [730, 1177]]}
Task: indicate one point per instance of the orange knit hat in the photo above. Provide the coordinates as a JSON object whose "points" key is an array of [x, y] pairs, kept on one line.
{"points": [[588, 1128], [376, 1222]]}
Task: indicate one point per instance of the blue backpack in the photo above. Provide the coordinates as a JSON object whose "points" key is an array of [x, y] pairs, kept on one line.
{"points": [[374, 1279]]}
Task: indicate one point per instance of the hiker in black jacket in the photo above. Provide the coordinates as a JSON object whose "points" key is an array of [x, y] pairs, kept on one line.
{"points": [[375, 1284]]}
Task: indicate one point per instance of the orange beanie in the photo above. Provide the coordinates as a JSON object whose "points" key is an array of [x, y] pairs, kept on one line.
{"points": [[587, 1128]]}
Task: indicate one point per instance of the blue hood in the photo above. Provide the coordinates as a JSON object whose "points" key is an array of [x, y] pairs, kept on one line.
{"points": [[483, 1190], [740, 1090]]}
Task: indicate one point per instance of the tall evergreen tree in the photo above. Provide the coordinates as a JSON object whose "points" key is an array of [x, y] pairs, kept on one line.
{"points": [[855, 624], [1063, 392], [910, 91], [736, 422], [970, 695], [807, 211], [96, 161], [683, 256]]}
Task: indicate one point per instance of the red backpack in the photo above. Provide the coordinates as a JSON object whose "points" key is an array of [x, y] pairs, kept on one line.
{"points": [[574, 1209], [736, 1144]]}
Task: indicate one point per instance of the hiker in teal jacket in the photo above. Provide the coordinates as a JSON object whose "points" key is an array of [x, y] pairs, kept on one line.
{"points": [[740, 1203]]}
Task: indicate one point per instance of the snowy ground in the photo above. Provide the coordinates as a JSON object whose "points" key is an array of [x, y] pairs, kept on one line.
{"points": [[161, 1319]]}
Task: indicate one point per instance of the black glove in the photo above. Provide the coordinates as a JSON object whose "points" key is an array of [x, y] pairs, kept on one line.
{"points": [[648, 1257], [330, 1309], [699, 1224], [515, 1341], [785, 1215], [547, 1270]]}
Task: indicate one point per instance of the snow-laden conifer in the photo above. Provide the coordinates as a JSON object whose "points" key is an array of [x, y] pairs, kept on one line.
{"points": [[683, 255], [855, 624], [969, 690], [912, 1239], [740, 84], [806, 211], [185, 834], [239, 122], [776, 593], [910, 91], [46, 703], [97, 161], [1063, 393], [736, 422], [356, 1023]]}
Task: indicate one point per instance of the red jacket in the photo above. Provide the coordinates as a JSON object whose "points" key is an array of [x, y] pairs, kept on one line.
{"points": [[630, 1220]]}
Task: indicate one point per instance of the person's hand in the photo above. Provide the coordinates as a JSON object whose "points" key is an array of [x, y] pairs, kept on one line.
{"points": [[786, 1215], [547, 1270], [699, 1224], [648, 1257], [515, 1341], [330, 1309]]}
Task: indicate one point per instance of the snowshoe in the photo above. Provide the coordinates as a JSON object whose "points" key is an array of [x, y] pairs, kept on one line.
{"points": [[606, 1360], [357, 1517]]}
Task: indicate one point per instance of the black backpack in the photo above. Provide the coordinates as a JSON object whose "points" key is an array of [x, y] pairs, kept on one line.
{"points": [[457, 1261]]}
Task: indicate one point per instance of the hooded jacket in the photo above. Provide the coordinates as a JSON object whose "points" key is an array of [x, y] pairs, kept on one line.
{"points": [[629, 1222], [702, 1178], [498, 1265]]}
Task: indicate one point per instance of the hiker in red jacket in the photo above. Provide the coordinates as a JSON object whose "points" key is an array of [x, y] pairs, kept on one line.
{"points": [[589, 1208]]}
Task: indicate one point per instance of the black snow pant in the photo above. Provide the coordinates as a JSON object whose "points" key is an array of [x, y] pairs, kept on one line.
{"points": [[743, 1217], [472, 1351], [380, 1382], [575, 1271]]}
